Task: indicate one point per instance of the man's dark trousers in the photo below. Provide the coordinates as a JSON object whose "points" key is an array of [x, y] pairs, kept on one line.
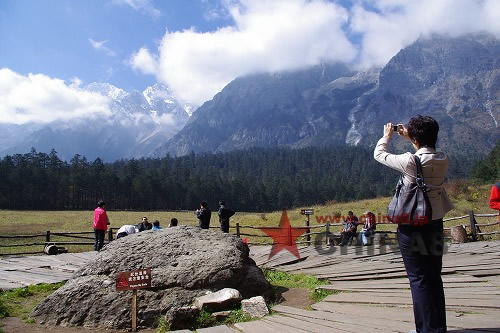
{"points": [[224, 225], [422, 251], [99, 239]]}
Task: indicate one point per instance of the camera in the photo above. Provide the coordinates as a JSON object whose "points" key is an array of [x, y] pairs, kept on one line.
{"points": [[395, 128]]}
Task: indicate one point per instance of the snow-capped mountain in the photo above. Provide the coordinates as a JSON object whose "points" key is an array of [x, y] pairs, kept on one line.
{"points": [[139, 123]]}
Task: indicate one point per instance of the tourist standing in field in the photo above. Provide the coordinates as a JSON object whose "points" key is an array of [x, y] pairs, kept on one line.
{"points": [[423, 262], [101, 222], [224, 216], [204, 215]]}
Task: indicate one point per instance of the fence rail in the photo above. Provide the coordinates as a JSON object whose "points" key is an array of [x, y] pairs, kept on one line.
{"points": [[53, 238]]}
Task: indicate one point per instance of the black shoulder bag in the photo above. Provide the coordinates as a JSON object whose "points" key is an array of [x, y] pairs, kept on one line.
{"points": [[410, 204]]}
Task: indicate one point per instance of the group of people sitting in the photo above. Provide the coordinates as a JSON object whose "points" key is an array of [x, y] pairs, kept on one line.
{"points": [[350, 227], [143, 226]]}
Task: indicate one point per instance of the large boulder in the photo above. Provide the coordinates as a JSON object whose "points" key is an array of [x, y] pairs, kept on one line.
{"points": [[186, 262]]}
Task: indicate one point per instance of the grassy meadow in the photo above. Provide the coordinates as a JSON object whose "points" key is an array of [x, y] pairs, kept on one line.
{"points": [[465, 196]]}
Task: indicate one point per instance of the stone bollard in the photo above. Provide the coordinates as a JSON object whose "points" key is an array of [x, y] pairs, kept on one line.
{"points": [[458, 234]]}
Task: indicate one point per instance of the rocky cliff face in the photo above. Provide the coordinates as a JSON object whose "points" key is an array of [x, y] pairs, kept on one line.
{"points": [[455, 80]]}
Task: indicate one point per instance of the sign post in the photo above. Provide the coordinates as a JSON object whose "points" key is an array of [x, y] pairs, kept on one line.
{"points": [[308, 212], [134, 310], [133, 280]]}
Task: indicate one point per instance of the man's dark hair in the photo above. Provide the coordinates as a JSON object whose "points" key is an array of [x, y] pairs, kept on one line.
{"points": [[156, 223], [222, 202], [100, 203], [173, 222], [423, 129], [350, 212], [204, 204]]}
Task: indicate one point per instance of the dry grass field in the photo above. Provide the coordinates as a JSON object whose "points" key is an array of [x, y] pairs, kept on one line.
{"points": [[464, 195]]}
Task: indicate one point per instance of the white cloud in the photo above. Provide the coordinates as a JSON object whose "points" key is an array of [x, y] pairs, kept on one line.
{"points": [[100, 46], [143, 6], [276, 35], [42, 99], [397, 23], [267, 36], [75, 82], [143, 61]]}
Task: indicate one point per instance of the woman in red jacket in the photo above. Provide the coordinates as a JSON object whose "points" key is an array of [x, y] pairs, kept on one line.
{"points": [[101, 222]]}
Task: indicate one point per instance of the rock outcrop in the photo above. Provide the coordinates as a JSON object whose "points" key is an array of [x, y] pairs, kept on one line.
{"points": [[186, 262]]}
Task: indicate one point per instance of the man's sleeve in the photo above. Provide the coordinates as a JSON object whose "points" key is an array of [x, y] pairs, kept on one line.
{"points": [[495, 198]]}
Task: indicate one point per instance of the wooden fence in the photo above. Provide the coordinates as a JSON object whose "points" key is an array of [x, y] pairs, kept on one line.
{"points": [[315, 234]]}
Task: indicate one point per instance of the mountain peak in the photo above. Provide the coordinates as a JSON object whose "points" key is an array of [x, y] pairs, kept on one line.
{"points": [[107, 89]]}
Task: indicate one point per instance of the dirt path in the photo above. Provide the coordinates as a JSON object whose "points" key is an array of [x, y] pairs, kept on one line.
{"points": [[297, 298]]}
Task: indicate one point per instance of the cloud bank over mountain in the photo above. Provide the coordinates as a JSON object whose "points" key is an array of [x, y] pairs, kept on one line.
{"points": [[270, 36], [39, 98]]}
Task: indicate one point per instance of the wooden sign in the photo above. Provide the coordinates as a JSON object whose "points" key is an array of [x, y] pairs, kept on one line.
{"points": [[309, 211], [133, 280]]}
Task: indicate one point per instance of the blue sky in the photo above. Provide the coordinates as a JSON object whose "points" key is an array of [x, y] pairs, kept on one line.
{"points": [[51, 49], [52, 37]]}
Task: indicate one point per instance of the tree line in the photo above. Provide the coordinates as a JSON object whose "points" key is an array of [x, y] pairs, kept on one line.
{"points": [[488, 169], [256, 179]]}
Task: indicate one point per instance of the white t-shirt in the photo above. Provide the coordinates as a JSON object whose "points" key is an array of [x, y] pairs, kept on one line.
{"points": [[128, 228]]}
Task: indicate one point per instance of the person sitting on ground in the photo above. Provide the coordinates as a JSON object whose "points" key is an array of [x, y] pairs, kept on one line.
{"points": [[368, 229], [145, 225], [156, 225], [349, 231], [224, 215], [173, 223], [125, 230], [204, 214]]}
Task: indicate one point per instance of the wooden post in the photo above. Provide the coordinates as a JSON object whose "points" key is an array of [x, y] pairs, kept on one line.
{"points": [[308, 236], [134, 310], [472, 225], [327, 232], [47, 237], [238, 229], [110, 235]]}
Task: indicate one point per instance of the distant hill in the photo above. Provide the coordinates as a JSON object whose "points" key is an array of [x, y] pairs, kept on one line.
{"points": [[455, 80]]}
